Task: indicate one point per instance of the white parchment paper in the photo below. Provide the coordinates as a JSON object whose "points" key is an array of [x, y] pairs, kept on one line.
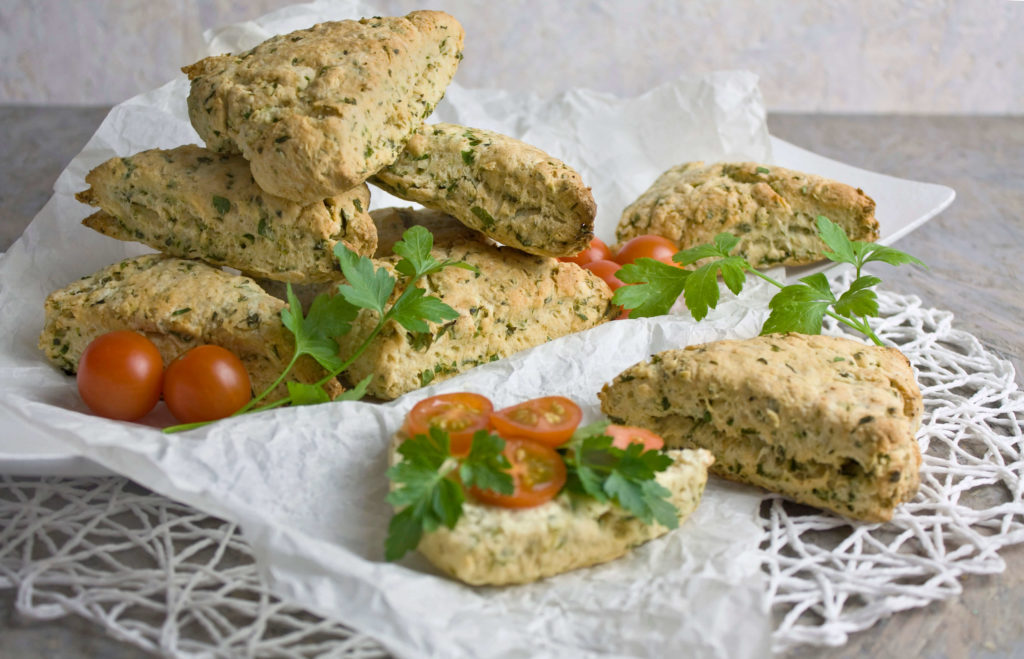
{"points": [[307, 484]]}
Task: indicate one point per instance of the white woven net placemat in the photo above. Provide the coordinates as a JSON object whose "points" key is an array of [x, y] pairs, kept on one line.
{"points": [[177, 582]]}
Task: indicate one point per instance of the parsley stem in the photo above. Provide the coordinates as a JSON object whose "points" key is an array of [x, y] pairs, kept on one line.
{"points": [[861, 326]]}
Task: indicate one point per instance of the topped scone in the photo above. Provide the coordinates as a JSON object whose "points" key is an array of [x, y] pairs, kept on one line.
{"points": [[319, 110], [772, 210]]}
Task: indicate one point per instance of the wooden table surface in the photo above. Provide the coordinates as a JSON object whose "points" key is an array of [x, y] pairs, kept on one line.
{"points": [[975, 250]]}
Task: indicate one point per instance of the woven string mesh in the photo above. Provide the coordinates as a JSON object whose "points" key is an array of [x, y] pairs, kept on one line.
{"points": [[168, 579]]}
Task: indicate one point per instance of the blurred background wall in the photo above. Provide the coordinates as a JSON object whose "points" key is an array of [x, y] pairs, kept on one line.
{"points": [[834, 56]]}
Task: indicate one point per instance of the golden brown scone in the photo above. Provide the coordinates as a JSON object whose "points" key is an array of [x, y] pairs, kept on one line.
{"points": [[501, 546], [193, 203], [511, 191], [514, 302], [772, 210], [827, 421], [179, 305], [319, 110]]}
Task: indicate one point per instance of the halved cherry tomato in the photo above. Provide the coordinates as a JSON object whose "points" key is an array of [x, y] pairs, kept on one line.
{"points": [[120, 375], [206, 383], [549, 420], [461, 414], [649, 246], [623, 436], [596, 251], [538, 473], [606, 270]]}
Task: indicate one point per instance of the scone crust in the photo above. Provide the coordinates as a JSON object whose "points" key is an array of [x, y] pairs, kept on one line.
{"points": [[179, 305], [319, 110], [509, 190], [826, 421], [772, 210], [498, 546], [193, 203], [512, 302]]}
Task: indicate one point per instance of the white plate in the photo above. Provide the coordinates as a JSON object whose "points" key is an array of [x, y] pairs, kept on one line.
{"points": [[902, 206]]}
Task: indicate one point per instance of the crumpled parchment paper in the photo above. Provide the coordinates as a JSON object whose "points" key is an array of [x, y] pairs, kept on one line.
{"points": [[307, 484]]}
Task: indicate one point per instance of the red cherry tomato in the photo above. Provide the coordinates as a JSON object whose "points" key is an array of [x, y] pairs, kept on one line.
{"points": [[596, 251], [623, 436], [120, 375], [206, 383], [647, 246], [538, 473], [550, 420], [461, 414], [606, 270]]}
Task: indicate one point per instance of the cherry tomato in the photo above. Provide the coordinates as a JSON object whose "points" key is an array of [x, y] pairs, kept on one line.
{"points": [[120, 375], [648, 246], [206, 383], [606, 270], [623, 436], [538, 473], [596, 251], [461, 414], [550, 420]]}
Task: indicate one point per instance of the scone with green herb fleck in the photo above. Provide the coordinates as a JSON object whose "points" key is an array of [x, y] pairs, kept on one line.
{"points": [[772, 210], [317, 111], [179, 305], [193, 203], [513, 301], [502, 546], [511, 191], [826, 421]]}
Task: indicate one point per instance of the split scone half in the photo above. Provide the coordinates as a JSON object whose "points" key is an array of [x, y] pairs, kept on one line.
{"points": [[193, 203], [826, 421], [772, 210], [179, 305], [319, 110], [506, 189], [512, 302], [493, 546]]}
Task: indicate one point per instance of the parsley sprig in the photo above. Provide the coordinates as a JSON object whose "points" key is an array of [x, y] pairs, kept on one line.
{"points": [[366, 287], [795, 308], [429, 496], [427, 492], [623, 476]]}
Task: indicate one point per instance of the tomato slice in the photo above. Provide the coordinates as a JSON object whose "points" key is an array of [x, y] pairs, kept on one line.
{"points": [[623, 436], [538, 473], [461, 414], [549, 420], [597, 250]]}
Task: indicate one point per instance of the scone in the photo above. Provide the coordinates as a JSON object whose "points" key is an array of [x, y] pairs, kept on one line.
{"points": [[502, 546], [515, 301], [511, 191], [193, 203], [826, 421], [319, 110], [179, 305], [772, 210]]}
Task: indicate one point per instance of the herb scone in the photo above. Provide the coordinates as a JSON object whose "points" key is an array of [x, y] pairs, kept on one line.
{"points": [[514, 301], [193, 203], [502, 546], [511, 191], [179, 305], [772, 210], [319, 110], [827, 421]]}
